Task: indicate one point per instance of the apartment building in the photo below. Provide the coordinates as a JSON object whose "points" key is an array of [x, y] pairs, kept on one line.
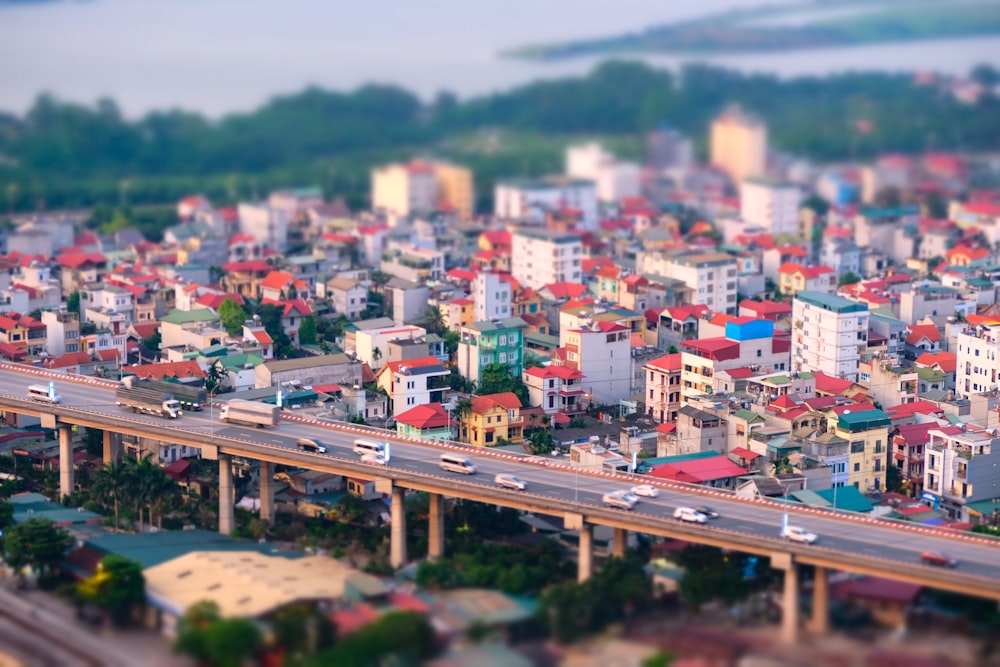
{"points": [[663, 387], [541, 256], [413, 382], [556, 389], [372, 345], [771, 205], [867, 431], [978, 357], [961, 467], [23, 333], [423, 187], [603, 353], [794, 278], [533, 200], [738, 144], [411, 263], [828, 334], [711, 277], [491, 342], [63, 335], [492, 296], [747, 344]]}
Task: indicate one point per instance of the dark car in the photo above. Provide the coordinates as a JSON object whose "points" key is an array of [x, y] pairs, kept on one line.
{"points": [[938, 559], [707, 511]]}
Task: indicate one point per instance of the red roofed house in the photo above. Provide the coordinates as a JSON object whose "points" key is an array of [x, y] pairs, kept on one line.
{"points": [[794, 278], [962, 255], [923, 337], [746, 343], [765, 310], [283, 286], [555, 389], [907, 454], [23, 332], [425, 422], [80, 268], [292, 314], [413, 382], [244, 277], [493, 419], [717, 472], [256, 340], [663, 387]]}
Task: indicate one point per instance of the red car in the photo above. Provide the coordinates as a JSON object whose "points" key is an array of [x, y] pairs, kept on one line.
{"points": [[939, 559]]}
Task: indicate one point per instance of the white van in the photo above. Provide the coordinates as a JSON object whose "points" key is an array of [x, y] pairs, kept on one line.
{"points": [[457, 463], [362, 447], [40, 392]]}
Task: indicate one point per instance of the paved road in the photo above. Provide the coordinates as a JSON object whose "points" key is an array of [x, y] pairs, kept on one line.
{"points": [[755, 519]]}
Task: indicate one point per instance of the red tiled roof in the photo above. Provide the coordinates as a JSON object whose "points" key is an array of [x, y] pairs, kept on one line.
{"points": [[766, 307], [668, 362], [666, 427], [461, 274], [430, 415], [247, 266], [946, 361], [744, 453], [78, 259], [829, 384], [297, 305], [740, 373], [904, 410], [506, 400], [920, 331], [566, 290], [719, 348], [561, 372], [698, 471], [213, 299], [419, 362], [793, 250], [809, 272], [277, 280]]}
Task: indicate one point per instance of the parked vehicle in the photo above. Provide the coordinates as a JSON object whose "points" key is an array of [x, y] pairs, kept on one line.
{"points": [[457, 463], [250, 413], [362, 447], [310, 445], [189, 396], [797, 534], [620, 500], [147, 401], [510, 481], [938, 558], [690, 515], [647, 490], [45, 393]]}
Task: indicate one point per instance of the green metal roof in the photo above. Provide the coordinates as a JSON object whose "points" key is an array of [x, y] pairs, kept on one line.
{"points": [[831, 302], [863, 421], [748, 415], [847, 498], [151, 549], [176, 316]]}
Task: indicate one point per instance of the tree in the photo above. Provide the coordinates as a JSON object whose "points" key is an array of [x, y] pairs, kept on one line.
{"points": [[233, 316], [497, 378], [231, 641], [117, 587], [307, 331], [849, 278], [73, 302], [152, 341], [192, 630], [215, 377], [893, 479], [270, 317], [37, 542], [433, 321], [93, 441], [302, 630], [110, 481], [542, 441], [6, 514]]}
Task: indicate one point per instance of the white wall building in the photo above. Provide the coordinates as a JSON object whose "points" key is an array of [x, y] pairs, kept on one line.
{"points": [[828, 334], [603, 353], [531, 199], [711, 276], [492, 297], [978, 354], [540, 257], [772, 205], [366, 341], [265, 223], [615, 180]]}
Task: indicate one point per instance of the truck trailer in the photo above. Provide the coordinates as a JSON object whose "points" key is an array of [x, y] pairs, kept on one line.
{"points": [[137, 398], [250, 413], [190, 397]]}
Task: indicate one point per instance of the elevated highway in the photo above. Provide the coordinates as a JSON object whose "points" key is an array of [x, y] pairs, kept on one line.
{"points": [[846, 542]]}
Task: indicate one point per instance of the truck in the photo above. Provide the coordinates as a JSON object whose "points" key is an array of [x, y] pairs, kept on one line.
{"points": [[137, 398], [250, 413], [190, 397]]}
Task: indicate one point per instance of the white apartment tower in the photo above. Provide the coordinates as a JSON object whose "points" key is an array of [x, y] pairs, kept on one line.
{"points": [[978, 354], [828, 334], [773, 206], [492, 297], [541, 256]]}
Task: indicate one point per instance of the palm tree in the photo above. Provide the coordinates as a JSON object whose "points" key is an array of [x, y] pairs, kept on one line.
{"points": [[163, 493], [376, 355], [110, 481], [142, 477]]}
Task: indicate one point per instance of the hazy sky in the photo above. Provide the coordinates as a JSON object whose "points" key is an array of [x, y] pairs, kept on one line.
{"points": [[223, 55]]}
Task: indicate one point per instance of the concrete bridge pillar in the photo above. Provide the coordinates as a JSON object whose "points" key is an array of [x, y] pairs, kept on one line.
{"points": [[226, 518], [267, 492], [586, 557], [65, 461], [790, 606], [397, 546], [112, 448], [821, 602], [435, 532], [621, 543]]}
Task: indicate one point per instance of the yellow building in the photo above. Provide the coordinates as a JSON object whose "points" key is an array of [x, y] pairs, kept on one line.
{"points": [[867, 432], [456, 313], [739, 144], [455, 188], [493, 418], [420, 187]]}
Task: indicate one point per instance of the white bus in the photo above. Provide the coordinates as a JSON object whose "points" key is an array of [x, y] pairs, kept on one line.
{"points": [[40, 392], [362, 447], [457, 463]]}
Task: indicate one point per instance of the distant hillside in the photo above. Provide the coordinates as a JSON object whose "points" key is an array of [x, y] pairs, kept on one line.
{"points": [[748, 30]]}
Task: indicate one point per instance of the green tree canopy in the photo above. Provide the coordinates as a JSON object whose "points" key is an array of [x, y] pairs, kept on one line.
{"points": [[233, 316], [117, 587], [307, 331], [497, 378], [37, 542]]}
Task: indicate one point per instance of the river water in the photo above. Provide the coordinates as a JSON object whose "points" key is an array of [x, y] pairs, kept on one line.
{"points": [[218, 56]]}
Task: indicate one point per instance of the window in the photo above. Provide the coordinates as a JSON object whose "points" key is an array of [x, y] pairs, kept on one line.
{"points": [[857, 447], [857, 468]]}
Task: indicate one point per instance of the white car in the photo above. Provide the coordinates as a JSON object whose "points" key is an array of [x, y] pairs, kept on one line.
{"points": [[510, 481], [797, 534], [373, 459], [690, 515], [646, 490], [620, 499]]}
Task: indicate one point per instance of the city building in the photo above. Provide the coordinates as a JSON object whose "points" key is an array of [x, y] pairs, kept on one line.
{"points": [[555, 389], [663, 387], [413, 382], [747, 344], [771, 205], [961, 468], [738, 144], [867, 431], [828, 334], [404, 189], [63, 335], [425, 422], [491, 342], [372, 345], [978, 357], [603, 353], [540, 257], [711, 277], [794, 278], [533, 200], [493, 419], [492, 295]]}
